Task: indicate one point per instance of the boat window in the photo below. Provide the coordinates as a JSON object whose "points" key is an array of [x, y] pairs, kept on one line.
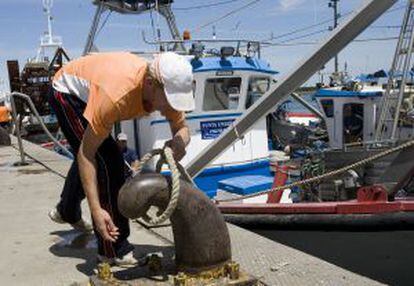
{"points": [[328, 107], [353, 120], [257, 87], [222, 93]]}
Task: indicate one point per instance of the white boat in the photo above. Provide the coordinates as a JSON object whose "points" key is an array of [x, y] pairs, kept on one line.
{"points": [[225, 86]]}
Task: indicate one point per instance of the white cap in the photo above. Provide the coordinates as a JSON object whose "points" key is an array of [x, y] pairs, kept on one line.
{"points": [[122, 137], [176, 74]]}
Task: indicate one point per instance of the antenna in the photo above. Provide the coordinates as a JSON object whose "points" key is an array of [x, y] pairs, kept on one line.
{"points": [[47, 7], [48, 40]]}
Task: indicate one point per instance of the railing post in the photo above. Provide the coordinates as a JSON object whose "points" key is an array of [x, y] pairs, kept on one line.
{"points": [[17, 128]]}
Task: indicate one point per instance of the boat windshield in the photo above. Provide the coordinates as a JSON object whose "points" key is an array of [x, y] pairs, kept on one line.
{"points": [[257, 87], [222, 93]]}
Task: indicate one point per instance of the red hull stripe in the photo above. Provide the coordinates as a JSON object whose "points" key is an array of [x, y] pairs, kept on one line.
{"points": [[350, 207]]}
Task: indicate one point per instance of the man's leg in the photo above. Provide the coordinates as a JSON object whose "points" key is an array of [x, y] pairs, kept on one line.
{"points": [[110, 179], [69, 205]]}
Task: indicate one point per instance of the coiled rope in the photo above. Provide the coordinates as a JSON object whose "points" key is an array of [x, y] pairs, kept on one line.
{"points": [[326, 175], [176, 172]]}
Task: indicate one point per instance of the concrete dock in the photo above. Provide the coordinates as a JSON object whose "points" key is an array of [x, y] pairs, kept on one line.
{"points": [[36, 251]]}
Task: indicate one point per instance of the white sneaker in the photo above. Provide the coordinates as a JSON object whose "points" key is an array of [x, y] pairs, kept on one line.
{"points": [[82, 225], [127, 261]]}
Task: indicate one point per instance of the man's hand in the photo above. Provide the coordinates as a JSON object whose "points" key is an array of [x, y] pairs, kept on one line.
{"points": [[105, 225], [177, 145]]}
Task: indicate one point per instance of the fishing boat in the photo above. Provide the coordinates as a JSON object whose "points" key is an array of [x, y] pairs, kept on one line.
{"points": [[362, 176], [34, 80]]}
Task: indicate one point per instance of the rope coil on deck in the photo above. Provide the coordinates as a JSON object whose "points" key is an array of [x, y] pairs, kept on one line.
{"points": [[326, 175]]}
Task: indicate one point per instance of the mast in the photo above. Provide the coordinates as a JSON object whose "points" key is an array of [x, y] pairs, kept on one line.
{"points": [[334, 5], [48, 40], [163, 7], [391, 103]]}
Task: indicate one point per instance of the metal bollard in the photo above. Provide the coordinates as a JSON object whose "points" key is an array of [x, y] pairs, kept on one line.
{"points": [[197, 224]]}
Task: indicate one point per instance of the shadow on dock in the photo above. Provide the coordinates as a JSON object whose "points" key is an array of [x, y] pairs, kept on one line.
{"points": [[74, 244]]}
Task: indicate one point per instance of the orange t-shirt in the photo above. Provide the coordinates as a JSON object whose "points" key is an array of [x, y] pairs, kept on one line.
{"points": [[112, 86], [4, 114]]}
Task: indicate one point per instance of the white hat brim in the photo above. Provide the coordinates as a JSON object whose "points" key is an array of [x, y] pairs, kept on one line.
{"points": [[179, 100]]}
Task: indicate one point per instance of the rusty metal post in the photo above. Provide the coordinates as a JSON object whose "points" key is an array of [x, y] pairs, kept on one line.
{"points": [[197, 224]]}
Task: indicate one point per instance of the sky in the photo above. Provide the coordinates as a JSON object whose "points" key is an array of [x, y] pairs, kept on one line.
{"points": [[22, 22]]}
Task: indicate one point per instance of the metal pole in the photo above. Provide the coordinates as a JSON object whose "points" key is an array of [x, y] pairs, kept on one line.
{"points": [[36, 114], [334, 5], [19, 138], [94, 28], [166, 12], [346, 32]]}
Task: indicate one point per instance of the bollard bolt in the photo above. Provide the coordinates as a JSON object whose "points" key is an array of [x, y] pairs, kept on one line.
{"points": [[180, 279], [233, 270], [104, 272]]}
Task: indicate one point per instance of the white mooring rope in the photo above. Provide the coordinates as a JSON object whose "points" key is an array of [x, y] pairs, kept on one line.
{"points": [[176, 172]]}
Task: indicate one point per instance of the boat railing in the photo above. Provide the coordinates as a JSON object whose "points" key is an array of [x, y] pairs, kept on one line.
{"points": [[251, 46], [34, 111]]}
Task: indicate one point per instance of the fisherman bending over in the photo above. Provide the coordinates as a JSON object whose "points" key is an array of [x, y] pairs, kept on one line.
{"points": [[89, 95]]}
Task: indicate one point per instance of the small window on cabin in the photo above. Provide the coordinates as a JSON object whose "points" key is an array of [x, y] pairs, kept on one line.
{"points": [[257, 87], [222, 94], [328, 107]]}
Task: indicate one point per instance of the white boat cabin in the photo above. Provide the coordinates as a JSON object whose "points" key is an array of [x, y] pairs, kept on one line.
{"points": [[350, 116], [224, 88]]}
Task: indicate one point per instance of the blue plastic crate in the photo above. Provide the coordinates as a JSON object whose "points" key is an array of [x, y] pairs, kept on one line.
{"points": [[246, 184]]}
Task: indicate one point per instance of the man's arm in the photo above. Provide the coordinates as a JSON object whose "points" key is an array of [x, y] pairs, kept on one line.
{"points": [[181, 139], [87, 170]]}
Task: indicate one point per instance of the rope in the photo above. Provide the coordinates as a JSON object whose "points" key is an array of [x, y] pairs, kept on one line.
{"points": [[326, 175], [176, 172]]}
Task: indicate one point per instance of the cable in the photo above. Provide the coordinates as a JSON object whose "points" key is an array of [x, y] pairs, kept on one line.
{"points": [[304, 36], [314, 43], [303, 29], [283, 43], [386, 27], [205, 5], [226, 15], [322, 23], [104, 23], [376, 39]]}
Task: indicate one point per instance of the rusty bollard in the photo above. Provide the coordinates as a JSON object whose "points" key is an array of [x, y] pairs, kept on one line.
{"points": [[201, 237]]}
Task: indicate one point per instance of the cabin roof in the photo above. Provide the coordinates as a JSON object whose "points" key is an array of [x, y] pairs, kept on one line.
{"points": [[231, 64], [348, 93]]}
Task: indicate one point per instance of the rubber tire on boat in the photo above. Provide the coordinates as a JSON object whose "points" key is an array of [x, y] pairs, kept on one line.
{"points": [[4, 137]]}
